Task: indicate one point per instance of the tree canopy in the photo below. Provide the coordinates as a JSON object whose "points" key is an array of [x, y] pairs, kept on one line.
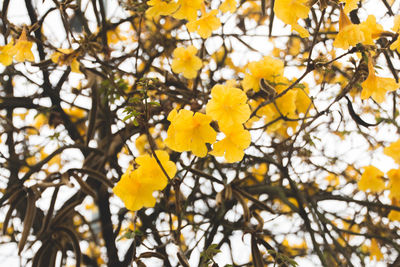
{"points": [[200, 133]]}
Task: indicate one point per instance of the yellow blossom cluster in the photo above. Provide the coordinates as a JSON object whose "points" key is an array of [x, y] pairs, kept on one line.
{"points": [[191, 132], [351, 34], [393, 151], [365, 33], [229, 108], [292, 103], [268, 68], [228, 6], [187, 10], [136, 187], [372, 179], [258, 174]]}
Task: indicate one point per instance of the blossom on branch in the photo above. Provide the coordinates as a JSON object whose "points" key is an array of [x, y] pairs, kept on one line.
{"points": [[228, 106], [290, 11], [205, 25], [189, 132], [186, 62], [371, 179], [22, 48], [349, 34], [236, 140], [377, 87], [136, 187]]}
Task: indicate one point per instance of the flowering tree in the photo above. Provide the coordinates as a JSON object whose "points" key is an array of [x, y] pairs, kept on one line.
{"points": [[200, 133]]}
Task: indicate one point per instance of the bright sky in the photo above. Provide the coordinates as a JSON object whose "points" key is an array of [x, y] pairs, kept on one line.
{"points": [[17, 15]]}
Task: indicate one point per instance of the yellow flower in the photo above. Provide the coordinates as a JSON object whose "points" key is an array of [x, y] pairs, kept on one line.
{"points": [[284, 105], [303, 101], [228, 106], [148, 167], [396, 28], [294, 47], [40, 120], [94, 252], [393, 151], [290, 11], [189, 132], [205, 25], [332, 179], [349, 34], [136, 187], [371, 179], [22, 48], [371, 30], [56, 160], [186, 62], [394, 215], [228, 6], [6, 53], [236, 140], [67, 57], [375, 251], [141, 143], [294, 249], [188, 9], [160, 8], [75, 113], [350, 5], [267, 68], [260, 171], [394, 183], [396, 24], [375, 86], [114, 36]]}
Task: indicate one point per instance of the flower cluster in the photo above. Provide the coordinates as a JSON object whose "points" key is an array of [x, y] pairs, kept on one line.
{"points": [[372, 179], [267, 68], [191, 132], [228, 106], [136, 187], [393, 151], [185, 9], [269, 73], [351, 34]]}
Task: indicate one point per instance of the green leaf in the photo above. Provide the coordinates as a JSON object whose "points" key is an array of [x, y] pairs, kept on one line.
{"points": [[154, 103], [210, 252]]}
